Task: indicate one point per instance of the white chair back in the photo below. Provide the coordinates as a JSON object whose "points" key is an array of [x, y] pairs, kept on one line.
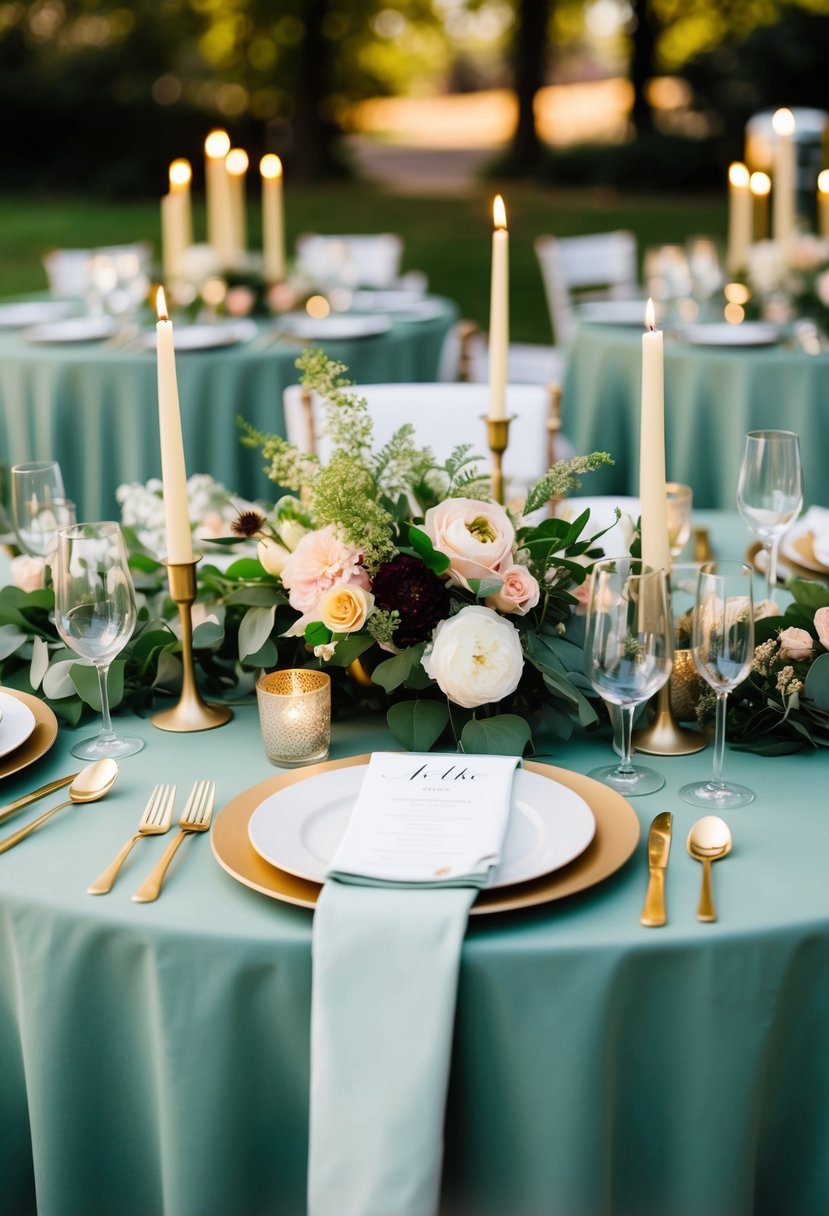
{"points": [[351, 261], [571, 264], [444, 416]]}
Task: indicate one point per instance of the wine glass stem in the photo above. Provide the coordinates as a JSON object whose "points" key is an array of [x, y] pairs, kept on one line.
{"points": [[719, 739], [625, 764], [106, 732], [774, 546]]}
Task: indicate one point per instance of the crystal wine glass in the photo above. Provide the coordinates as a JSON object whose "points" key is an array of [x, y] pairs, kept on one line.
{"points": [[722, 643], [770, 490], [95, 616], [35, 486], [629, 653]]}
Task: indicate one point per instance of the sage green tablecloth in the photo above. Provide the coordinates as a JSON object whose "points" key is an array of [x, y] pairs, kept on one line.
{"points": [[713, 396], [95, 409], [154, 1058]]}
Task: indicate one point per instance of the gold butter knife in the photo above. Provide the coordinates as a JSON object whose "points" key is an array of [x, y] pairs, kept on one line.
{"points": [[659, 846], [6, 811]]}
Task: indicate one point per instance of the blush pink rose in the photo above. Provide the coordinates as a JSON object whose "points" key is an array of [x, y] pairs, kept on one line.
{"points": [[319, 561], [795, 644], [821, 624], [519, 593], [27, 573], [477, 537]]}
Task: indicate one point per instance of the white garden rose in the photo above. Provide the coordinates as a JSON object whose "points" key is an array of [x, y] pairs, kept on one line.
{"points": [[477, 537], [272, 555], [475, 657]]}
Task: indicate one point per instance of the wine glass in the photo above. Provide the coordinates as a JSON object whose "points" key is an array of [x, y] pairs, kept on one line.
{"points": [[629, 652], [680, 503], [722, 643], [770, 490], [35, 486], [95, 616]]}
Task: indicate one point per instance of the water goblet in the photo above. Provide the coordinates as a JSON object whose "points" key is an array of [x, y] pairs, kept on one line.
{"points": [[722, 643], [770, 490], [95, 616], [35, 485], [680, 504], [629, 653]]}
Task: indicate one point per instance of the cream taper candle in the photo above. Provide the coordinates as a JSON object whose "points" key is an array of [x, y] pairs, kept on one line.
{"points": [[739, 216], [499, 313], [653, 492], [760, 186], [217, 186], [173, 474], [823, 202], [273, 218], [181, 175], [236, 163], [784, 177]]}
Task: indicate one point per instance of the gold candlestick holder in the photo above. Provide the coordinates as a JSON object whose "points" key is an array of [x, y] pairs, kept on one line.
{"points": [[191, 713], [497, 433], [664, 736]]}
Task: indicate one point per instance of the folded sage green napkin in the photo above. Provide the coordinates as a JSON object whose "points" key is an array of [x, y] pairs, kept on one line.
{"points": [[386, 953]]}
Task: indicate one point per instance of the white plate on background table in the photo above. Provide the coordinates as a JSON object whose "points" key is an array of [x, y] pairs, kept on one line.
{"points": [[204, 337], [74, 329], [16, 725], [299, 828], [24, 313], [341, 326], [614, 312], [720, 333], [389, 301], [798, 546]]}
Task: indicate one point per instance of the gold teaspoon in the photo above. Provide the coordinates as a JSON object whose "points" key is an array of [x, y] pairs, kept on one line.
{"points": [[91, 783], [708, 840]]}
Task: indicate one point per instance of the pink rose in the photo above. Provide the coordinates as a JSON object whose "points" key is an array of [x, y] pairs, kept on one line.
{"points": [[319, 561], [519, 593], [821, 623], [477, 537], [27, 573], [795, 643]]}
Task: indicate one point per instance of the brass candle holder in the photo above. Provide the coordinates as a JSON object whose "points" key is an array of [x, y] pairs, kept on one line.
{"points": [[497, 432], [192, 712], [664, 736]]}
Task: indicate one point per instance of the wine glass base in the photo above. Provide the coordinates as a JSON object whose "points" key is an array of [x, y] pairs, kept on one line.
{"points": [[716, 797], [639, 781], [107, 749]]}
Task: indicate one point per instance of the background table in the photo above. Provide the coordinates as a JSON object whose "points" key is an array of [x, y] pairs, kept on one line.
{"points": [[713, 395], [95, 409], [154, 1058]]}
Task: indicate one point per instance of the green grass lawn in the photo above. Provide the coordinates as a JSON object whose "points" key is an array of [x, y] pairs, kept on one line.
{"points": [[448, 238]]}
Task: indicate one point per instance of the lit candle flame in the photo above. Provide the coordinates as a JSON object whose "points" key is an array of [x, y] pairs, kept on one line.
{"points": [[823, 181], [217, 145], [237, 162], [650, 316], [738, 175], [499, 212], [161, 305], [760, 184], [180, 173], [270, 166], [783, 122]]}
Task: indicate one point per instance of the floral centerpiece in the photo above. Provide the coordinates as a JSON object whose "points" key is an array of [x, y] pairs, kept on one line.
{"points": [[790, 281]]}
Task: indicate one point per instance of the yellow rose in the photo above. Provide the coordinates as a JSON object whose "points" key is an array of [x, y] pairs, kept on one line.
{"points": [[344, 607]]}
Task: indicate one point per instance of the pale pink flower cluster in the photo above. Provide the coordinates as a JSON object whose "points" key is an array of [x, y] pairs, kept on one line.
{"points": [[326, 581], [821, 623]]}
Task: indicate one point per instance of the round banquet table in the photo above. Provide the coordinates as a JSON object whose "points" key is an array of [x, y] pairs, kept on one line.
{"points": [[155, 1058], [94, 408], [713, 395]]}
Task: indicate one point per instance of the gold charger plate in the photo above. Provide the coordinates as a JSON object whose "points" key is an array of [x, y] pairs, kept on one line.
{"points": [[617, 835], [38, 742]]}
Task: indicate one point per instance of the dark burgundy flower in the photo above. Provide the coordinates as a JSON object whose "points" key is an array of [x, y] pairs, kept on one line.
{"points": [[413, 590], [247, 523]]}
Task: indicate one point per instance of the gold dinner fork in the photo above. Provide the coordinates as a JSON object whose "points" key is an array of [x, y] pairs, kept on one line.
{"points": [[195, 818], [157, 817]]}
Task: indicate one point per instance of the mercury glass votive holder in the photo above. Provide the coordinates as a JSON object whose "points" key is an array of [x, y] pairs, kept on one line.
{"points": [[295, 716]]}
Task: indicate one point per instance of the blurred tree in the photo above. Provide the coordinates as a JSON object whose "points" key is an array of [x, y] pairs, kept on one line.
{"points": [[530, 52], [644, 34]]}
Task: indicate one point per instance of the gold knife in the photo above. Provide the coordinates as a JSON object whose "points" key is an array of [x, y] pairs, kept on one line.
{"points": [[6, 811], [659, 846]]}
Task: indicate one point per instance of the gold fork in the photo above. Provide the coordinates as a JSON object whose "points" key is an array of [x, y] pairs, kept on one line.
{"points": [[157, 817], [195, 818]]}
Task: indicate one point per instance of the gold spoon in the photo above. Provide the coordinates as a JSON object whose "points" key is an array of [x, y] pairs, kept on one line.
{"points": [[91, 783], [708, 840]]}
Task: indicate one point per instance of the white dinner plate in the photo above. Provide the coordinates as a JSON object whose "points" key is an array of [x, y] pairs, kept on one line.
{"points": [[74, 329], [341, 326], [389, 301], [299, 828], [16, 725], [204, 337], [719, 333], [24, 313], [805, 554], [614, 312]]}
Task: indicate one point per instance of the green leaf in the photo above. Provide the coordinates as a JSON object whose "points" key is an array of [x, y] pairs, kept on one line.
{"points": [[817, 682], [40, 662], [350, 648], [255, 629], [809, 594], [11, 639], [261, 595], [208, 633], [57, 682], [266, 656], [85, 680], [144, 563], [425, 550], [317, 634], [503, 735], [418, 724], [393, 672], [482, 587], [245, 567], [69, 709]]}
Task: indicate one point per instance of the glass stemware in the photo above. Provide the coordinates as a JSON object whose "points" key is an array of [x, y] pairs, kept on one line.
{"points": [[629, 653], [95, 616], [680, 504], [770, 490], [35, 487], [722, 644]]}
